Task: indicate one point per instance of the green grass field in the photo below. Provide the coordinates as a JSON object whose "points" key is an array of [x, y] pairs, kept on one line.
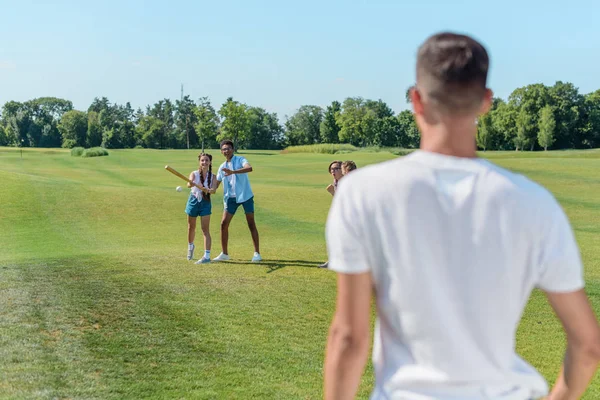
{"points": [[97, 300]]}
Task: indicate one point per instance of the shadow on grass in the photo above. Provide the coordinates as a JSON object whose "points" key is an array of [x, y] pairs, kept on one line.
{"points": [[274, 265]]}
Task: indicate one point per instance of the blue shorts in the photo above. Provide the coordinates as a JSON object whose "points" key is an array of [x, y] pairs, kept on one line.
{"points": [[232, 206], [195, 208]]}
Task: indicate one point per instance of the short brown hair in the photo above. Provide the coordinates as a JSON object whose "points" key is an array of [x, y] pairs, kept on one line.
{"points": [[349, 165], [452, 72], [333, 162]]}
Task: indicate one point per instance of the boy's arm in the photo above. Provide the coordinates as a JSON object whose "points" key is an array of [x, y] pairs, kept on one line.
{"points": [[561, 277], [349, 337], [583, 344], [246, 167]]}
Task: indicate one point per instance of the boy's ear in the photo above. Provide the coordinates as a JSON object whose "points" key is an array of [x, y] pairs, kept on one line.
{"points": [[487, 102]]}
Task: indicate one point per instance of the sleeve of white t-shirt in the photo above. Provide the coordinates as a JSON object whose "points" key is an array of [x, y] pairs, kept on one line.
{"points": [[560, 267], [220, 174], [346, 244]]}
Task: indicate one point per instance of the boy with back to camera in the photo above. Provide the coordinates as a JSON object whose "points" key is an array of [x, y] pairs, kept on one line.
{"points": [[452, 246]]}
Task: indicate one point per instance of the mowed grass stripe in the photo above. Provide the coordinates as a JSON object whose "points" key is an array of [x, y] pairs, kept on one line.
{"points": [[170, 339]]}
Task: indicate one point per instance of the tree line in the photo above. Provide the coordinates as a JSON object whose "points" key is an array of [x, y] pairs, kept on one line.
{"points": [[533, 117]]}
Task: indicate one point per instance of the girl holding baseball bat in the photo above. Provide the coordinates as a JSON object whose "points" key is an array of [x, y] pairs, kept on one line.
{"points": [[199, 205]]}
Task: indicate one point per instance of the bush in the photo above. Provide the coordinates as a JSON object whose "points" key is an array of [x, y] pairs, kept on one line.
{"points": [[397, 151], [401, 152], [323, 148], [342, 148], [95, 152], [77, 151]]}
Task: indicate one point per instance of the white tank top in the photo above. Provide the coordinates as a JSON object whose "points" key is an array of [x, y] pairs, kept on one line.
{"points": [[195, 191]]}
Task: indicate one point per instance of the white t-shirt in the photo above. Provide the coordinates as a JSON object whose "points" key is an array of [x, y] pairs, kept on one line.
{"points": [[231, 178], [454, 247]]}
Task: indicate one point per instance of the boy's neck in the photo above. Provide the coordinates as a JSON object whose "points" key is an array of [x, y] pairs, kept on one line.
{"points": [[456, 139]]}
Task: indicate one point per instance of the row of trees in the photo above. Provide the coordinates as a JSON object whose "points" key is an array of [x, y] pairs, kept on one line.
{"points": [[533, 117], [52, 122], [542, 117]]}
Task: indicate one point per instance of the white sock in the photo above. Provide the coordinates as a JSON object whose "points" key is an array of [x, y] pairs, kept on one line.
{"points": [[207, 253], [190, 245]]}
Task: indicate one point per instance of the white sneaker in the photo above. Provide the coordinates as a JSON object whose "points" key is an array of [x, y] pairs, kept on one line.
{"points": [[222, 257], [191, 252], [203, 260], [256, 257]]}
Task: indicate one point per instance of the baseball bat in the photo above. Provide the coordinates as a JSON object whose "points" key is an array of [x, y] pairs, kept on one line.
{"points": [[174, 172]]}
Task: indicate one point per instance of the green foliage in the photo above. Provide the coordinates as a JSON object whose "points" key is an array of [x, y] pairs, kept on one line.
{"points": [[94, 130], [590, 129], [323, 148], [73, 127], [410, 137], [485, 132], [3, 136], [368, 123], [389, 132], [401, 152], [236, 123], [525, 125], [77, 151], [340, 148], [152, 132], [329, 129], [99, 105], [511, 124], [95, 152], [161, 126], [380, 109], [185, 122], [547, 125], [568, 106], [18, 120], [304, 127], [207, 123], [265, 131], [350, 120], [504, 117]]}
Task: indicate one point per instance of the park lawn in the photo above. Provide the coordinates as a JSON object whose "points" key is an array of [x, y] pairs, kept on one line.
{"points": [[98, 301]]}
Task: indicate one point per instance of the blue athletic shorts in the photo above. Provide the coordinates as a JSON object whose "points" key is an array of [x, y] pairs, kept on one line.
{"points": [[195, 208], [232, 206]]}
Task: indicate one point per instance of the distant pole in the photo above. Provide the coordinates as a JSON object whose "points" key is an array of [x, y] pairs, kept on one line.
{"points": [[21, 147]]}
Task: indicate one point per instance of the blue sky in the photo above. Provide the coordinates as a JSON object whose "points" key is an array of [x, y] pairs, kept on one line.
{"points": [[281, 54]]}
